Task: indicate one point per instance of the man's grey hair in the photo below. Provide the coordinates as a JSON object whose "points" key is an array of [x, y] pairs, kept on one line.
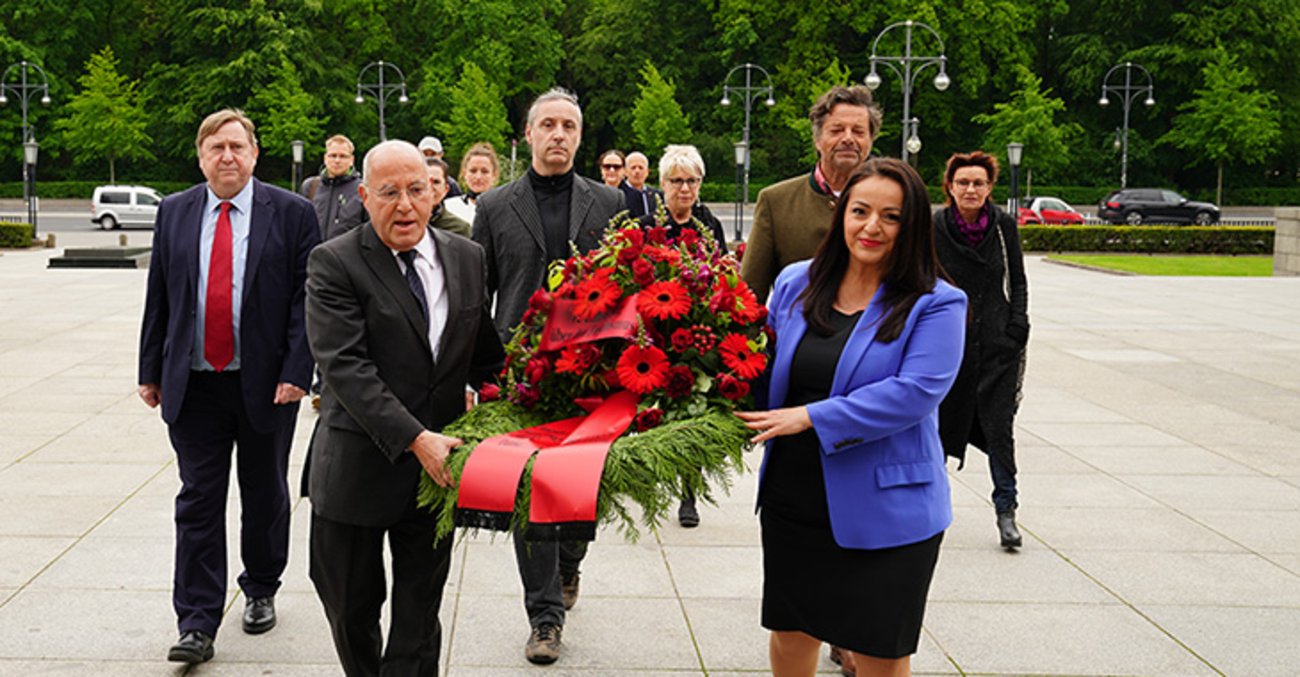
{"points": [[683, 157], [554, 94], [857, 95], [392, 145]]}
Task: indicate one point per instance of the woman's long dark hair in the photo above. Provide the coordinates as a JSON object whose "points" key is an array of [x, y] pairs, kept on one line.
{"points": [[910, 270]]}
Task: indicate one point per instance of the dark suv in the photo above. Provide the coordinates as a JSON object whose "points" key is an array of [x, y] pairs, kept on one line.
{"points": [[1152, 205]]}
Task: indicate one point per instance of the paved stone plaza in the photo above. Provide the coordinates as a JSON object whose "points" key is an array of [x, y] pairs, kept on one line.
{"points": [[1160, 479]]}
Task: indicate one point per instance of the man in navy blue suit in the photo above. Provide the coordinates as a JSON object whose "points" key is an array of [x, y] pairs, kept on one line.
{"points": [[223, 348]]}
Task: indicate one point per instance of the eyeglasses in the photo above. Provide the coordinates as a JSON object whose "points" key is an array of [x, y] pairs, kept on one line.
{"points": [[415, 191], [610, 168], [684, 183], [977, 184]]}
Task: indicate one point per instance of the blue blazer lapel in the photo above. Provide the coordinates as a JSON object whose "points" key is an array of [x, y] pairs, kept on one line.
{"points": [[791, 332], [187, 228], [864, 334], [259, 226]]}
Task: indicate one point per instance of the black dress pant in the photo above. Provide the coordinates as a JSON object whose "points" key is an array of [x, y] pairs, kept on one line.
{"points": [[347, 566], [541, 566], [211, 423]]}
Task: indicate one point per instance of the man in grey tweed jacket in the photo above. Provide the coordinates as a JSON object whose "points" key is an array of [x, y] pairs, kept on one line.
{"points": [[524, 226]]}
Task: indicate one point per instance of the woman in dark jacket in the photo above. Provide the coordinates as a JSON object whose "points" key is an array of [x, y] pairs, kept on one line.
{"points": [[979, 246], [681, 171]]}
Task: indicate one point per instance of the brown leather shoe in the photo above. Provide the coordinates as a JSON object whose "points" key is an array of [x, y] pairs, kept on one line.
{"points": [[569, 589], [543, 647], [844, 659]]}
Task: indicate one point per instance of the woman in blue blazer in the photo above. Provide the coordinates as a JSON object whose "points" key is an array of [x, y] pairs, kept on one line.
{"points": [[853, 493]]}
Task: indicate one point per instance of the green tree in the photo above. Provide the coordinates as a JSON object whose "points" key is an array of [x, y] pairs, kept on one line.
{"points": [[657, 119], [285, 113], [1030, 118], [1229, 120], [106, 120], [478, 112]]}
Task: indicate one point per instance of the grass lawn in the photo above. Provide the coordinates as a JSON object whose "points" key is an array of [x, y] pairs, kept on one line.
{"points": [[1169, 264]]}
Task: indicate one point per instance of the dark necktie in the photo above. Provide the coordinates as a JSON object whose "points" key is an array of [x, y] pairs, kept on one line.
{"points": [[413, 281], [218, 321]]}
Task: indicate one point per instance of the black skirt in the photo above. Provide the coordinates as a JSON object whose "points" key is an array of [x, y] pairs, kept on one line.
{"points": [[868, 601]]}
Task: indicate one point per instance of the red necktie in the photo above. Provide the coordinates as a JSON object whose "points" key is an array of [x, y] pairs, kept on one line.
{"points": [[218, 322]]}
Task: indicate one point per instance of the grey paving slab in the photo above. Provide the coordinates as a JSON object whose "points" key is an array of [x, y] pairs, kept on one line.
{"points": [[1236, 640], [26, 556], [723, 572], [300, 637], [1146, 530], [30, 478], [1060, 639], [1194, 493], [1100, 434], [98, 563], [1263, 531], [52, 515], [99, 668], [1089, 491], [1209, 578], [1031, 575], [1183, 459]]}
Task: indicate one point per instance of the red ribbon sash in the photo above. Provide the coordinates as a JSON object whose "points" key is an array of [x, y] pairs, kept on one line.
{"points": [[564, 328], [566, 475]]}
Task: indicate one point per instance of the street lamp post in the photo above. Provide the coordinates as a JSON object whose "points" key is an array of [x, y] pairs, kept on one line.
{"points": [[907, 67], [30, 150], [749, 92], [1128, 93], [24, 88], [380, 88], [1014, 153], [297, 147]]}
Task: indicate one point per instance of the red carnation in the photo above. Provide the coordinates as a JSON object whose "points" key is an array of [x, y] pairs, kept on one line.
{"points": [[688, 237], [723, 299], [657, 235], [731, 387], [682, 340], [627, 255], [642, 370], [740, 357], [648, 419], [680, 381], [489, 392], [577, 359], [537, 369], [643, 272], [634, 237], [664, 301], [596, 295]]}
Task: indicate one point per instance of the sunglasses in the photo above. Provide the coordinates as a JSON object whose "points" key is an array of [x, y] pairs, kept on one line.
{"points": [[611, 168]]}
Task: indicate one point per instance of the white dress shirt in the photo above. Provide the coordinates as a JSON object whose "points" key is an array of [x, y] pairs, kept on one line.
{"points": [[435, 287]]}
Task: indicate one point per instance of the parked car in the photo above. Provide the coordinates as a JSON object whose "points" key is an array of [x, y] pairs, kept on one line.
{"points": [[116, 206], [1048, 210], [1142, 205]]}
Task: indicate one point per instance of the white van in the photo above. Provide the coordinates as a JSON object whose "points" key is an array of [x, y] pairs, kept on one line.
{"points": [[117, 206]]}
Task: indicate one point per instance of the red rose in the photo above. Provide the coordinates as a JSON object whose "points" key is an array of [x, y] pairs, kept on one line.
{"points": [[634, 237], [539, 301], [723, 300], [657, 235], [489, 392], [740, 252], [732, 388], [536, 369], [680, 381], [643, 272], [627, 255], [648, 419], [688, 237]]}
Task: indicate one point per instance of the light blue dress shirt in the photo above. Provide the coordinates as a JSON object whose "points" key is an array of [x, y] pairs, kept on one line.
{"points": [[240, 218]]}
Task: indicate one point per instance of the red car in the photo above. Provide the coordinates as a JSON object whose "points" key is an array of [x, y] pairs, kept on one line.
{"points": [[1048, 211]]}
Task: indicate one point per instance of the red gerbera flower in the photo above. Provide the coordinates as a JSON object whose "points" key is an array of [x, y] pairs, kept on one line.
{"points": [[748, 310], [664, 254], [664, 301], [642, 370], [740, 357], [596, 295]]}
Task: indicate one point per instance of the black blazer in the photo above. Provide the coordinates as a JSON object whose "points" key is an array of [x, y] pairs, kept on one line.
{"points": [[272, 338], [508, 226], [381, 386]]}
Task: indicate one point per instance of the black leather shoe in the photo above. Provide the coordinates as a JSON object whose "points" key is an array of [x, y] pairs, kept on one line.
{"points": [[687, 515], [259, 615], [193, 647], [1007, 530]]}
